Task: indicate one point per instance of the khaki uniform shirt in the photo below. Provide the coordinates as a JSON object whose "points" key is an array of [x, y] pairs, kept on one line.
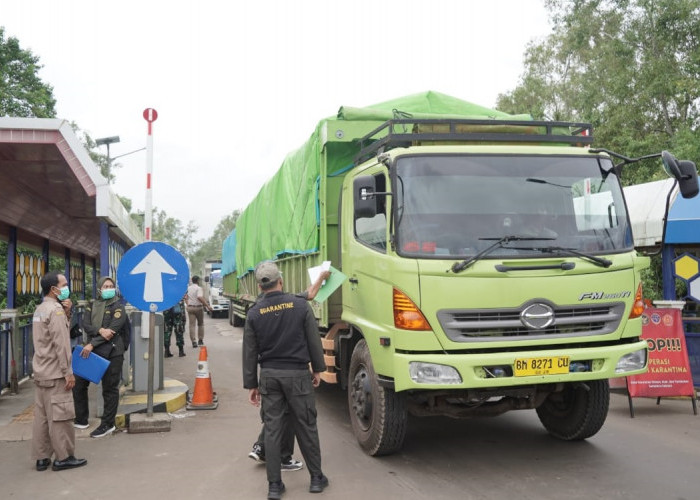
{"points": [[52, 351]]}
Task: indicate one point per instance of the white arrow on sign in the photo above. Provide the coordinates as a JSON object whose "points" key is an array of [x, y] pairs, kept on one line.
{"points": [[153, 265]]}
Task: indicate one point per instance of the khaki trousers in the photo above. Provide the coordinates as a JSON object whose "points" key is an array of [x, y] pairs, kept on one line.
{"points": [[53, 432], [196, 314]]}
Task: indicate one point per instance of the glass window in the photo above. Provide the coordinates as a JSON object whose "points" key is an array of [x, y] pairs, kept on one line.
{"points": [[372, 230], [456, 206]]}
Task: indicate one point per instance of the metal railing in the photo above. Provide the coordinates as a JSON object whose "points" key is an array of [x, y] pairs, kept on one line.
{"points": [[17, 348]]}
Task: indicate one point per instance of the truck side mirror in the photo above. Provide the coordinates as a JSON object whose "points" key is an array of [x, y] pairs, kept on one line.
{"points": [[364, 198], [688, 183], [684, 172]]}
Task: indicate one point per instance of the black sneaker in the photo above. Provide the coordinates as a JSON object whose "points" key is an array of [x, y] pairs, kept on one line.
{"points": [[257, 454], [318, 483], [275, 490], [201, 342], [80, 425], [194, 344], [102, 430]]}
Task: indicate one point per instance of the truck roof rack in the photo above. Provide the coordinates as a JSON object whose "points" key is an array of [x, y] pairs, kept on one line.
{"points": [[406, 132]]}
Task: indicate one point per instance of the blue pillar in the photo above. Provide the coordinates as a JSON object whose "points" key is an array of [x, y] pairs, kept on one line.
{"points": [[67, 265], [82, 270], [104, 249], [669, 281], [11, 270], [45, 256], [94, 278]]}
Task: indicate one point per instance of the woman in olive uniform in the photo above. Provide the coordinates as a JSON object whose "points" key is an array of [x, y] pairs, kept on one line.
{"points": [[103, 323]]}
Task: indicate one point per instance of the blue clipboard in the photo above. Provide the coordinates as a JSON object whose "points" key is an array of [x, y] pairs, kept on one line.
{"points": [[91, 368]]}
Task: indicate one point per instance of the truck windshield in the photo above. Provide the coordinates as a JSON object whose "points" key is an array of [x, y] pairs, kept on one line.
{"points": [[217, 281], [456, 205]]}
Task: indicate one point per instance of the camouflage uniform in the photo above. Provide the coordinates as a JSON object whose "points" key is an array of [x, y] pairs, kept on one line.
{"points": [[175, 320]]}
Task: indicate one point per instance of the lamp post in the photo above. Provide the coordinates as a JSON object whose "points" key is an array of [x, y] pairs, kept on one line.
{"points": [[106, 141]]}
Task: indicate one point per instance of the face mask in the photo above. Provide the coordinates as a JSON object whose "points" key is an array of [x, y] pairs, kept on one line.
{"points": [[65, 293], [109, 293]]}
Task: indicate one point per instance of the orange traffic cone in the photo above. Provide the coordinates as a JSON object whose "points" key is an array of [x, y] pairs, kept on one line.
{"points": [[204, 398]]}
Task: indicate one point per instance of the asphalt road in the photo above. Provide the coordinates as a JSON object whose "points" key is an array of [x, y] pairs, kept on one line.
{"points": [[653, 456]]}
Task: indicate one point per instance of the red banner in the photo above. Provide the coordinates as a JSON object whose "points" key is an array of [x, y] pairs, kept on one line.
{"points": [[669, 369]]}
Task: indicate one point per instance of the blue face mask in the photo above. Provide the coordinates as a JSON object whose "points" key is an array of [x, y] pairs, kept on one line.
{"points": [[108, 293], [65, 293]]}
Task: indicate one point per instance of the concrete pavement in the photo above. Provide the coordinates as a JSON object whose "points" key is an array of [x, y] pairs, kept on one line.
{"points": [[203, 456]]}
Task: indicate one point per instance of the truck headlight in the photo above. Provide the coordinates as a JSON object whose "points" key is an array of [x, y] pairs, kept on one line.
{"points": [[431, 373], [633, 361]]}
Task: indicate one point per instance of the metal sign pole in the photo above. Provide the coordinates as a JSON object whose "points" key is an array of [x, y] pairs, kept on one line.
{"points": [[150, 115], [151, 361]]}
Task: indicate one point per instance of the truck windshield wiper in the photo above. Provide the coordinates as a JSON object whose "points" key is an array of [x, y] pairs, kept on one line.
{"points": [[599, 261], [458, 267]]}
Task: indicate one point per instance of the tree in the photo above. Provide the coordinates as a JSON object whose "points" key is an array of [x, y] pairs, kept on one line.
{"points": [[630, 67], [173, 232], [211, 248], [22, 93]]}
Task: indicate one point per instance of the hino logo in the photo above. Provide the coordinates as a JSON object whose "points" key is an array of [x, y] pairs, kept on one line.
{"points": [[603, 295], [537, 316]]}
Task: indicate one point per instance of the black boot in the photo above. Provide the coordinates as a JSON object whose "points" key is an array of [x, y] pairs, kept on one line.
{"points": [[182, 350], [168, 354]]}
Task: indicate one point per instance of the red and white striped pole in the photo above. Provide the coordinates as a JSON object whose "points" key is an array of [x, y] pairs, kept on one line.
{"points": [[150, 115]]}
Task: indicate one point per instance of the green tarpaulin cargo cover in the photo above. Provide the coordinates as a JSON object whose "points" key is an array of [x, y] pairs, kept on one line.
{"points": [[284, 217]]}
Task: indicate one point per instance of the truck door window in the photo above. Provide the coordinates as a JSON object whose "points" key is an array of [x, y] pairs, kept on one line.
{"points": [[372, 230]]}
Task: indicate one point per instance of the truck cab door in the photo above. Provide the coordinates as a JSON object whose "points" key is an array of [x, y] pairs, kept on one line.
{"points": [[364, 243]]}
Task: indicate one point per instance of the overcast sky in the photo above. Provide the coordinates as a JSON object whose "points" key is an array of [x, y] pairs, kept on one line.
{"points": [[239, 84]]}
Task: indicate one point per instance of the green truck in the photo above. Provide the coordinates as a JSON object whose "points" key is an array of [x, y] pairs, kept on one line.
{"points": [[489, 259]]}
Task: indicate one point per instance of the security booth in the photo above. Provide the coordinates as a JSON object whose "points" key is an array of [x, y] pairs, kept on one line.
{"points": [[680, 252], [57, 213]]}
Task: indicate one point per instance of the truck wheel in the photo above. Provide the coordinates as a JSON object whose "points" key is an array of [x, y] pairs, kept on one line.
{"points": [[237, 320], [378, 414], [578, 412]]}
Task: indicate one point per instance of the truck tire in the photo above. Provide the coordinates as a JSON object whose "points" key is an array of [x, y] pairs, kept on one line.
{"points": [[237, 320], [378, 414], [578, 412]]}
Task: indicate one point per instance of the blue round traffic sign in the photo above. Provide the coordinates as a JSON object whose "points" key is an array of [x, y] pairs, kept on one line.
{"points": [[153, 276]]}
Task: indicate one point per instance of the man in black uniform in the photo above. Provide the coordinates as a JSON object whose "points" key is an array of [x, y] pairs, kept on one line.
{"points": [[282, 336]]}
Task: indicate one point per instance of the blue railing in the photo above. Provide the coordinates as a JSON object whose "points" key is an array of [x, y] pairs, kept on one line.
{"points": [[5, 356], [23, 346]]}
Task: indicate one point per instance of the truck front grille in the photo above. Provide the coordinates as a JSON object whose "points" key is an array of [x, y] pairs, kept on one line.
{"points": [[471, 325]]}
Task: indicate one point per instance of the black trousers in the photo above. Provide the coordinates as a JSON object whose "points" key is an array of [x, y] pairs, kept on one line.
{"points": [[287, 444], [110, 393], [292, 390]]}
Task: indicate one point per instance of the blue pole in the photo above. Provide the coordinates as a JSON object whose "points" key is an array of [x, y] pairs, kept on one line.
{"points": [[669, 281], [104, 249], [82, 270], [11, 268]]}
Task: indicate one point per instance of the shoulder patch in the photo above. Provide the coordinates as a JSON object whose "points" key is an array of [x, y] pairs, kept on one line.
{"points": [[118, 314], [60, 313]]}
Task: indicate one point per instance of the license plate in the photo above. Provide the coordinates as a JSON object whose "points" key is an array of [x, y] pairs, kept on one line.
{"points": [[554, 365]]}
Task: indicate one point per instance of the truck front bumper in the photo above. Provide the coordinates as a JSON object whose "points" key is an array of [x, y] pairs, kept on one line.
{"points": [[416, 371]]}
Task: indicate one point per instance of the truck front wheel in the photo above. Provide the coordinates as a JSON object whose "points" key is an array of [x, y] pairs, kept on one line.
{"points": [[578, 412], [378, 414]]}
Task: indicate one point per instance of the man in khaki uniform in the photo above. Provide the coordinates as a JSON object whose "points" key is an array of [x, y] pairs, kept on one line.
{"points": [[53, 432]]}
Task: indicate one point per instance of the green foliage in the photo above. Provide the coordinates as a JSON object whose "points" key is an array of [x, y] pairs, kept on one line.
{"points": [[173, 232], [629, 67], [211, 248], [101, 160], [22, 93]]}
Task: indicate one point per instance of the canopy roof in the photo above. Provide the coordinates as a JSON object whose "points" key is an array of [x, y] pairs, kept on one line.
{"points": [[51, 189]]}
